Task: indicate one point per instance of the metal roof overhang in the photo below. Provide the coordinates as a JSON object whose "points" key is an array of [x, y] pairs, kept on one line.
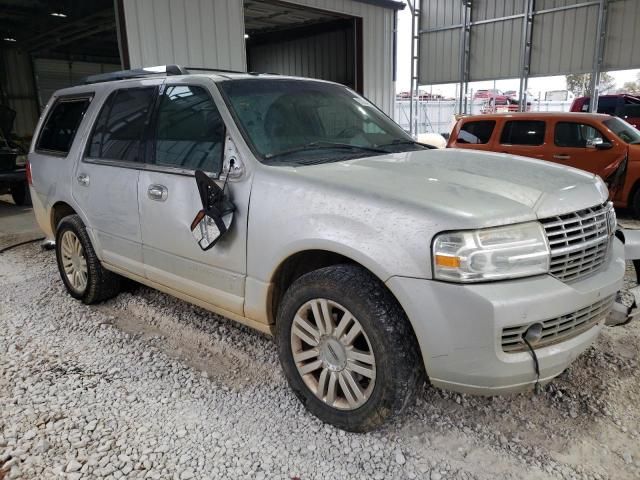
{"points": [[384, 4]]}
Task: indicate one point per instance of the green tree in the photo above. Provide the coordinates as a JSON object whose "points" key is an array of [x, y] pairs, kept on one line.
{"points": [[632, 87], [580, 83]]}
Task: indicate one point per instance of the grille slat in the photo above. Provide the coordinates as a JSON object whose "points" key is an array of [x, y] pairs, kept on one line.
{"points": [[579, 241], [558, 329]]}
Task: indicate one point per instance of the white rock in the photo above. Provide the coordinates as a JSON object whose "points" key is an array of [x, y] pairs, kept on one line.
{"points": [[73, 466]]}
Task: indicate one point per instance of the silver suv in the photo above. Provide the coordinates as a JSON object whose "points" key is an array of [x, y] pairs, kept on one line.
{"points": [[298, 208]]}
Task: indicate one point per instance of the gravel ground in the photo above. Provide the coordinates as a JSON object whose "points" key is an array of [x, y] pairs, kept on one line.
{"points": [[147, 386]]}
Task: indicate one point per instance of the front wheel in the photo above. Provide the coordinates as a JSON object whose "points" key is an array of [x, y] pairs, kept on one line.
{"points": [[634, 204], [347, 348]]}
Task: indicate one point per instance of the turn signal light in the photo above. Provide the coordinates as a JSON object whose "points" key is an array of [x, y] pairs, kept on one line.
{"points": [[447, 261]]}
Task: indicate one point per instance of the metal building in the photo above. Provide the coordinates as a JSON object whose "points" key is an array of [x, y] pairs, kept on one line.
{"points": [[49, 45], [470, 40], [348, 41]]}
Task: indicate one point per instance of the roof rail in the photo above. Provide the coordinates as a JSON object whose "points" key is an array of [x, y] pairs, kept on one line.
{"points": [[221, 70], [136, 73]]}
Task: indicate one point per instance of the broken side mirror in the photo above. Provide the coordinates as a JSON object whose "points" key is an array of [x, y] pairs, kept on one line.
{"points": [[216, 216]]}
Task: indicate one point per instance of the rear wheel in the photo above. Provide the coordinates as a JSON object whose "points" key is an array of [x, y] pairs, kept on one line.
{"points": [[82, 273], [347, 348], [21, 194]]}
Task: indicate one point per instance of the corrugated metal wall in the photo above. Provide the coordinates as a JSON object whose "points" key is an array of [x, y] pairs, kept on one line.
{"points": [[438, 49], [329, 56], [18, 87], [210, 33], [621, 48], [52, 75], [377, 46], [199, 33], [562, 41]]}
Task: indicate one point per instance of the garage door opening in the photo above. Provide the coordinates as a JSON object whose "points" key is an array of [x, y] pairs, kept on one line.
{"points": [[295, 40], [48, 45]]}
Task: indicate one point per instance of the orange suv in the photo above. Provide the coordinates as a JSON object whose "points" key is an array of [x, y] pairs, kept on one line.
{"points": [[601, 144]]}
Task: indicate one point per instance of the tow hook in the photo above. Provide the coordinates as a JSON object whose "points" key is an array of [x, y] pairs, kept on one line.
{"points": [[622, 314]]}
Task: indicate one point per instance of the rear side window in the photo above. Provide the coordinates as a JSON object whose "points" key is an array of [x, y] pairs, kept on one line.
{"points": [[574, 135], [608, 105], [190, 131], [118, 130], [523, 132], [476, 132], [62, 124]]}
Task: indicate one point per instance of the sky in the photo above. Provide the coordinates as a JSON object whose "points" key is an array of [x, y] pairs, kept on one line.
{"points": [[536, 85]]}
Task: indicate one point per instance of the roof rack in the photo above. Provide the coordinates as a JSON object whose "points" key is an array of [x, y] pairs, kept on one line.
{"points": [[136, 73], [220, 70], [158, 70]]}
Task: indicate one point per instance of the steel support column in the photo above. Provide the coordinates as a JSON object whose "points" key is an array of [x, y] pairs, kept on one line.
{"points": [[415, 66], [464, 56], [598, 55], [525, 52]]}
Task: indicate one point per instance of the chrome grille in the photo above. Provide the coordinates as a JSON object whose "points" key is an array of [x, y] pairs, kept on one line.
{"points": [[579, 241], [558, 329]]}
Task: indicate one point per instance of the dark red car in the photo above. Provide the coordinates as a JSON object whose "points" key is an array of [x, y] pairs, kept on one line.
{"points": [[624, 106]]}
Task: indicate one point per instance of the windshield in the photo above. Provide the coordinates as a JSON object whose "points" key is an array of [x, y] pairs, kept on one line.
{"points": [[626, 132], [301, 122]]}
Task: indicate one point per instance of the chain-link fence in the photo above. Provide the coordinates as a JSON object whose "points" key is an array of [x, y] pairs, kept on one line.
{"points": [[438, 115]]}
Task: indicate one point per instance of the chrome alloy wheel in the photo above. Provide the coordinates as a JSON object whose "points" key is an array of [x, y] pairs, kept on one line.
{"points": [[74, 261], [333, 354]]}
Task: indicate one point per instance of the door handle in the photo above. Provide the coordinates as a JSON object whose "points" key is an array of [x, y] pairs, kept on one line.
{"points": [[157, 192], [562, 157], [83, 179]]}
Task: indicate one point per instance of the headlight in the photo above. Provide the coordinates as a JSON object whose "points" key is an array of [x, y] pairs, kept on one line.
{"points": [[491, 254], [21, 160], [612, 219]]}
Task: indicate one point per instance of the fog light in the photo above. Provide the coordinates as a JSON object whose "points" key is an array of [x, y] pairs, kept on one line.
{"points": [[533, 334]]}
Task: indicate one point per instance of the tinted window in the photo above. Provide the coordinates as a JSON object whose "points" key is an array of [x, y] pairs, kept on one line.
{"points": [[631, 111], [120, 125], [627, 133], [570, 134], [608, 105], [190, 132], [523, 132], [62, 123], [476, 132]]}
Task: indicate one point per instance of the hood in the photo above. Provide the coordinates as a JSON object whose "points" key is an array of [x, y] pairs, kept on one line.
{"points": [[479, 188]]}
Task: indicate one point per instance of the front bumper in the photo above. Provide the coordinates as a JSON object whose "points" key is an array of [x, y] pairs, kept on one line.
{"points": [[459, 327]]}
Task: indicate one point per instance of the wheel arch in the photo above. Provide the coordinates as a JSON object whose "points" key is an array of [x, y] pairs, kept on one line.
{"points": [[59, 210], [304, 261]]}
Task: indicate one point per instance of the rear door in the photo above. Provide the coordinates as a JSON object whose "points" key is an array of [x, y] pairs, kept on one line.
{"points": [[188, 134], [523, 137], [574, 145], [474, 134], [106, 181]]}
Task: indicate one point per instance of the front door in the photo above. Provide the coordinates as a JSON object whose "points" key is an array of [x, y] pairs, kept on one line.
{"points": [[106, 180], [582, 145], [523, 137], [189, 134]]}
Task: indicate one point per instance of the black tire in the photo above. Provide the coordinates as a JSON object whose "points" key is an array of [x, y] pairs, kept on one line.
{"points": [[634, 204], [21, 194], [399, 367], [101, 283]]}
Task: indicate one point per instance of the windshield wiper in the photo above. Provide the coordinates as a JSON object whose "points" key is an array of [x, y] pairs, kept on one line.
{"points": [[321, 145], [407, 142]]}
